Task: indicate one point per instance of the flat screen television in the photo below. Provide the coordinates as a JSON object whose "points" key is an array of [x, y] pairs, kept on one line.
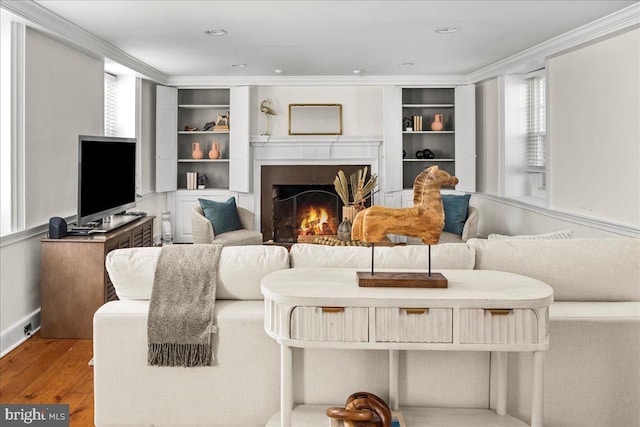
{"points": [[106, 177]]}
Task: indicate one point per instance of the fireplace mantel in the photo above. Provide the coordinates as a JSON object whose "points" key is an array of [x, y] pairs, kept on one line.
{"points": [[297, 150], [315, 148]]}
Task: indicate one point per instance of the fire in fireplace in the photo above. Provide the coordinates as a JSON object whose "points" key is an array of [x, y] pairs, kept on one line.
{"points": [[303, 212]]}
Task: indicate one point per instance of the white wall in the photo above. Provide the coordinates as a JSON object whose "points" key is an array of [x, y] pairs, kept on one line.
{"points": [[594, 98], [361, 106], [487, 147], [594, 134], [63, 99], [504, 216], [19, 289]]}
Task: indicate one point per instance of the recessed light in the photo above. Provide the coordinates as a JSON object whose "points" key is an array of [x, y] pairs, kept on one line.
{"points": [[357, 71], [217, 32], [239, 65], [446, 30], [278, 71], [406, 64]]}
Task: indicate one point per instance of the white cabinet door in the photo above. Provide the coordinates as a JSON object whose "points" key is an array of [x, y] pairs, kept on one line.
{"points": [[465, 140], [166, 138], [392, 144], [239, 156], [185, 201]]}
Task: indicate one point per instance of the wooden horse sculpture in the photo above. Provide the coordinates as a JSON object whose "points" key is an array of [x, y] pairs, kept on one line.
{"points": [[424, 220]]}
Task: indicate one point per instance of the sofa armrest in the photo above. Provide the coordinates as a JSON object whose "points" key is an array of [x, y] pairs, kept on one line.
{"points": [[201, 228], [470, 229], [247, 218]]}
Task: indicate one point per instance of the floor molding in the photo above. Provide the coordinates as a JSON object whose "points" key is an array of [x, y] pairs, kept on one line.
{"points": [[14, 335]]}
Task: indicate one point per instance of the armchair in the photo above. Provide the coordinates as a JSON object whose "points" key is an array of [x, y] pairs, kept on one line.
{"points": [[202, 230], [469, 231]]}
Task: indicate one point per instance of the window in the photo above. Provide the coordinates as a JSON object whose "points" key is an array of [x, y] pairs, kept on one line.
{"points": [[536, 125], [12, 36], [110, 105], [5, 117], [524, 137]]}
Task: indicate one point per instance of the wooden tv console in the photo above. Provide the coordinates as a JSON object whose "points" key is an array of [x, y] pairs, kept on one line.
{"points": [[73, 279]]}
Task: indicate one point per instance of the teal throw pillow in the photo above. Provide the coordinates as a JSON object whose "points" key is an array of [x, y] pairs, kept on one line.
{"points": [[455, 212], [223, 215]]}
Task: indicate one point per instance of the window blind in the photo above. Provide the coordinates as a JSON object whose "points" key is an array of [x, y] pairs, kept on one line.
{"points": [[110, 105], [536, 125]]}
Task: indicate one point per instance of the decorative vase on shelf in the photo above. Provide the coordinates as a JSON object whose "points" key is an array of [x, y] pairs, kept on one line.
{"points": [[215, 151], [167, 235], [196, 151], [438, 122], [344, 230], [428, 154]]}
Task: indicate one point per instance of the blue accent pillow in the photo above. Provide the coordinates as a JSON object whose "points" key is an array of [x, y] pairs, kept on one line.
{"points": [[223, 215], [455, 212]]}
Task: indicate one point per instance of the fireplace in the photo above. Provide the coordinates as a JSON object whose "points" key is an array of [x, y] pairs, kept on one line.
{"points": [[299, 203], [303, 212]]}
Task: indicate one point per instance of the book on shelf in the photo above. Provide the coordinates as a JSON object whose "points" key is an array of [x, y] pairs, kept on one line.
{"points": [[417, 123], [397, 420], [192, 180]]}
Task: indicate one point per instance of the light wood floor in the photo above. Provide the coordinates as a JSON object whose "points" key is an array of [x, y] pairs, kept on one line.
{"points": [[42, 371]]}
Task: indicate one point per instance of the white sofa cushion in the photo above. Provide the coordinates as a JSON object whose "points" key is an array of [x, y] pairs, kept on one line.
{"points": [[240, 270], [452, 256], [562, 234], [576, 269]]}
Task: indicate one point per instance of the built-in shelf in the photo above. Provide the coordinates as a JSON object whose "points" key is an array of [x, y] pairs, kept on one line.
{"points": [[428, 160], [428, 131], [203, 107], [202, 160], [195, 132], [427, 105]]}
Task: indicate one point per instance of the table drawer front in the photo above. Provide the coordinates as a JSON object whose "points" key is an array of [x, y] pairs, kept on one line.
{"points": [[426, 325], [341, 324], [485, 326]]}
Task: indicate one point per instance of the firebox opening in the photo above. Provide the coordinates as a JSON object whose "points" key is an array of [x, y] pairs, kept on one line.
{"points": [[303, 212]]}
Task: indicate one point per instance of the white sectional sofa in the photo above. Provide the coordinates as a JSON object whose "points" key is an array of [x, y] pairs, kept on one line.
{"points": [[592, 373]]}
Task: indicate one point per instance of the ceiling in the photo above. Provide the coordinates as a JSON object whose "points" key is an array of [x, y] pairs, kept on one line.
{"points": [[327, 38]]}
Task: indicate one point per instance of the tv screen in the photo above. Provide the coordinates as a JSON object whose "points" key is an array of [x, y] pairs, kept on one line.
{"points": [[106, 177]]}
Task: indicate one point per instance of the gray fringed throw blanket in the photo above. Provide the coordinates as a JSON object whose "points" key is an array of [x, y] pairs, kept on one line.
{"points": [[180, 320]]}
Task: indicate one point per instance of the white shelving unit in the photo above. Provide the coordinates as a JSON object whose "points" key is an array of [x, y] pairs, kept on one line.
{"points": [[426, 103], [453, 146], [196, 107], [227, 175]]}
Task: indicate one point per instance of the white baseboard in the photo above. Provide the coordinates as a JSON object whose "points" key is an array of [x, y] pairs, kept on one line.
{"points": [[13, 336]]}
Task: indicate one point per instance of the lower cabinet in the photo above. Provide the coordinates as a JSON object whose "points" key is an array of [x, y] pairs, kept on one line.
{"points": [[182, 202], [73, 279]]}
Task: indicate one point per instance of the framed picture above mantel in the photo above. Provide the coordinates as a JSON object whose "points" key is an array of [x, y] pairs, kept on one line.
{"points": [[315, 119]]}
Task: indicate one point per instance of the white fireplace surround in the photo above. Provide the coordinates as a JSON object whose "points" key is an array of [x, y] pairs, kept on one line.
{"points": [[313, 150]]}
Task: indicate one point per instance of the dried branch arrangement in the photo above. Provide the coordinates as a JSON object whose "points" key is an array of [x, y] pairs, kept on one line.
{"points": [[360, 190]]}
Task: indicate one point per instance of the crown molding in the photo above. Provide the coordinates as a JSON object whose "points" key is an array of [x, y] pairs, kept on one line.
{"points": [[227, 81], [44, 20], [527, 60], [536, 56]]}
